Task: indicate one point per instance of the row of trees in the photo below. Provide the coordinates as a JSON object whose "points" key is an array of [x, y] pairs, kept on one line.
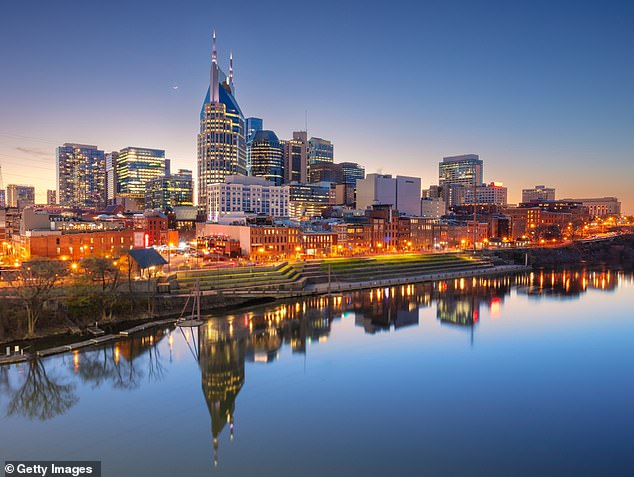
{"points": [[94, 284]]}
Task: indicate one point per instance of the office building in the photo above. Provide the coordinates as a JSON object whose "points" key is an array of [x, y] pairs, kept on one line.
{"points": [[464, 170], [137, 165], [309, 200], [111, 176], [319, 151], [600, 206], [402, 193], [253, 125], [81, 180], [432, 207], [352, 172], [326, 172], [296, 158], [265, 155], [170, 191], [493, 193], [51, 197], [221, 142], [20, 196], [239, 196], [538, 193]]}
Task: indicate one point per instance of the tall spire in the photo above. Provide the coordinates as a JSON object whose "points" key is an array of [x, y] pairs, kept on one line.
{"points": [[230, 68], [214, 54], [214, 94]]}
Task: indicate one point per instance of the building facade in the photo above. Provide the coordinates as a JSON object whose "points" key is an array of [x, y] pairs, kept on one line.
{"points": [[242, 195], [493, 193], [539, 193], [266, 157], [137, 165], [111, 176], [462, 172], [309, 200], [170, 191], [51, 197], [20, 196], [402, 193], [221, 142], [352, 172], [296, 158], [81, 180], [600, 206]]}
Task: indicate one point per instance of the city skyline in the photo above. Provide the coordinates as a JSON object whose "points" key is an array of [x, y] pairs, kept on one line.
{"points": [[553, 108]]}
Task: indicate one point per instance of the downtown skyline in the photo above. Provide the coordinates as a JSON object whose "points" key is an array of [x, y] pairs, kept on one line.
{"points": [[557, 114]]}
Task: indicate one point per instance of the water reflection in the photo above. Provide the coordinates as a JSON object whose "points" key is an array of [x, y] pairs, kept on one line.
{"points": [[223, 344]]}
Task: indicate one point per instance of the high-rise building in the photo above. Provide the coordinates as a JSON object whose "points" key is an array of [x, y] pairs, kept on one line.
{"points": [[240, 195], [253, 125], [137, 165], [170, 191], [309, 200], [296, 158], [493, 193], [464, 170], [265, 155], [20, 196], [402, 193], [51, 197], [3, 198], [221, 141], [538, 193], [326, 172], [320, 150], [80, 175], [352, 172], [111, 175]]}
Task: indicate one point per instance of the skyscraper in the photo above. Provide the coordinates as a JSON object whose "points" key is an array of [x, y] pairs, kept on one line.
{"points": [[352, 172], [20, 196], [111, 175], [80, 175], [320, 150], [51, 197], [135, 166], [456, 173], [296, 158], [266, 157], [253, 125], [169, 191], [221, 141]]}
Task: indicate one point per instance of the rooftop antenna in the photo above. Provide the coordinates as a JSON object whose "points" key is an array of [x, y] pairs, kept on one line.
{"points": [[230, 68], [306, 121]]}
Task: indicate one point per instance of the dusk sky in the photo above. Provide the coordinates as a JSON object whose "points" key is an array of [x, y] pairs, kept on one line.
{"points": [[542, 91]]}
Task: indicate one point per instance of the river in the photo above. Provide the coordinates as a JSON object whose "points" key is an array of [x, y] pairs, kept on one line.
{"points": [[520, 375]]}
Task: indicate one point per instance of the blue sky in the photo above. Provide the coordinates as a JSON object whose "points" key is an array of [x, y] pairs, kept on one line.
{"points": [[543, 91]]}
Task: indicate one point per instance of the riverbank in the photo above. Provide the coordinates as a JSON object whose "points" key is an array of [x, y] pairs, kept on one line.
{"points": [[52, 344], [617, 251]]}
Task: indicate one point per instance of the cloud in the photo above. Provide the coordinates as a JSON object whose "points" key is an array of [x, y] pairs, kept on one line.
{"points": [[34, 151]]}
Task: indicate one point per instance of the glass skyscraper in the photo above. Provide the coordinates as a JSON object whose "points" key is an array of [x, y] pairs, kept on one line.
{"points": [[221, 141], [296, 158], [320, 150], [135, 166], [169, 191], [266, 157], [80, 175], [457, 173]]}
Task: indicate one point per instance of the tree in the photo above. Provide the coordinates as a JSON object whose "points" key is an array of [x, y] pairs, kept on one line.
{"points": [[41, 396], [34, 284], [106, 274]]}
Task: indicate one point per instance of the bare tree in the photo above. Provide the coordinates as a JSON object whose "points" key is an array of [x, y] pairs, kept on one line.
{"points": [[106, 274], [41, 396], [34, 284]]}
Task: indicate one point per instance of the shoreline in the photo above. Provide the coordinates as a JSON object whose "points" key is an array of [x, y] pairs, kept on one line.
{"points": [[253, 298]]}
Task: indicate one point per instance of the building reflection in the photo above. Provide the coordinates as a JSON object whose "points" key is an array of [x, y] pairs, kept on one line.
{"points": [[222, 350]]}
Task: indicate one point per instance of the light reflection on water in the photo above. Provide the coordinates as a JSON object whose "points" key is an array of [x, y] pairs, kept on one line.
{"points": [[496, 365]]}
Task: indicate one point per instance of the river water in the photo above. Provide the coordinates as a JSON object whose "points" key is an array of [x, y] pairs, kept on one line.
{"points": [[521, 375]]}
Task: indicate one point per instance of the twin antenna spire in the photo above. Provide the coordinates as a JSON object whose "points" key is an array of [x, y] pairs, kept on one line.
{"points": [[214, 75]]}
